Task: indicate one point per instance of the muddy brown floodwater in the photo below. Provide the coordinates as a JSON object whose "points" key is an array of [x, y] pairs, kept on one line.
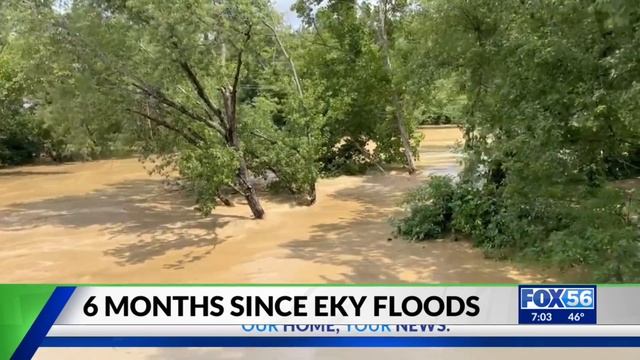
{"points": [[110, 222]]}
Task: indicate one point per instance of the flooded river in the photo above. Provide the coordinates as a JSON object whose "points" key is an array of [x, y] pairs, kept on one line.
{"points": [[109, 221]]}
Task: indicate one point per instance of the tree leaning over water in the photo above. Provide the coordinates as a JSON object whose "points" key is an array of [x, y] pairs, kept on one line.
{"points": [[199, 76]]}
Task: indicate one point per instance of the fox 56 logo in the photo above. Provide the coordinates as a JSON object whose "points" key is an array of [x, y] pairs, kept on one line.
{"points": [[557, 297]]}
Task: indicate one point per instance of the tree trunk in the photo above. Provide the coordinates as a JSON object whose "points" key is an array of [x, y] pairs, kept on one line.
{"points": [[249, 191], [404, 136], [225, 200], [313, 196], [229, 98]]}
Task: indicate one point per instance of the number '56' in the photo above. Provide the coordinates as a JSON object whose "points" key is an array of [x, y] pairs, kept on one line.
{"points": [[579, 297]]}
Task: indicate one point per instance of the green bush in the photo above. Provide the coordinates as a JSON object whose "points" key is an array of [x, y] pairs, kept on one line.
{"points": [[21, 140], [345, 159], [429, 210], [594, 232], [206, 172], [436, 119]]}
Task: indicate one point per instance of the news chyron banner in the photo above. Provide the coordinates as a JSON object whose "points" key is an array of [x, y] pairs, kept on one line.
{"points": [[318, 316]]}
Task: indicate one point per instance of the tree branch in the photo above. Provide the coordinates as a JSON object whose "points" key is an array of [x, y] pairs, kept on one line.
{"points": [[286, 55], [191, 137], [369, 157], [274, 142], [197, 85], [160, 96], [236, 77], [193, 78]]}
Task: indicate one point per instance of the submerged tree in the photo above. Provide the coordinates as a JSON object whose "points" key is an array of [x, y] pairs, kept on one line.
{"points": [[202, 78], [384, 7], [349, 53]]}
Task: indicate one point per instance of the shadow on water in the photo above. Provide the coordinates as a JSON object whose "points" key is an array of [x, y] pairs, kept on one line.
{"points": [[30, 173], [364, 244], [161, 221]]}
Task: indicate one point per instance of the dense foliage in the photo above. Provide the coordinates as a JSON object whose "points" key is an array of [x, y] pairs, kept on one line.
{"points": [[223, 93], [547, 127], [218, 92]]}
